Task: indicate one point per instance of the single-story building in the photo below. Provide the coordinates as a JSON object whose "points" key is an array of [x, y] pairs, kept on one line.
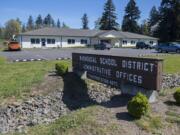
{"points": [[64, 37]]}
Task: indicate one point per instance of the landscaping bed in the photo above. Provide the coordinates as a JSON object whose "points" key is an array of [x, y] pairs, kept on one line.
{"points": [[70, 106]]}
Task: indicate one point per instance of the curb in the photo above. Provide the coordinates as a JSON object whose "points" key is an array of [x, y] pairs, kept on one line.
{"points": [[27, 60], [66, 58], [143, 55], [30, 60]]}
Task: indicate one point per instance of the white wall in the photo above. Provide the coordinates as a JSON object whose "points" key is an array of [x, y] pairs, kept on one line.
{"points": [[26, 41], [137, 40], [77, 41]]}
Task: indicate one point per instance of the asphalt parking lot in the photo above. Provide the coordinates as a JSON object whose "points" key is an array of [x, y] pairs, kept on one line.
{"points": [[53, 54]]}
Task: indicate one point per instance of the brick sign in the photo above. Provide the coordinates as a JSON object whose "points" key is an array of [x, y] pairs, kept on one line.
{"points": [[115, 70]]}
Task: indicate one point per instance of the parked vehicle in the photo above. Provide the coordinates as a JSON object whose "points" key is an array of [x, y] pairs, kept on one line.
{"points": [[14, 46], [142, 45], [103, 46], [168, 47]]}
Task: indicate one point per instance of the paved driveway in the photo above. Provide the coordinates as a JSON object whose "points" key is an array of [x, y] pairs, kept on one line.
{"points": [[53, 54]]}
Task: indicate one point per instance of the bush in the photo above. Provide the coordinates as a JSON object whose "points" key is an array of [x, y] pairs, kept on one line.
{"points": [[61, 68], [177, 96], [138, 106]]}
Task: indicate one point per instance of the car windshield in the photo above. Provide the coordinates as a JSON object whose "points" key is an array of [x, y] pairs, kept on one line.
{"points": [[174, 44]]}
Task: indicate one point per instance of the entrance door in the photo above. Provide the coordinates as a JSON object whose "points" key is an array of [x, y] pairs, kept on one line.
{"points": [[43, 42]]}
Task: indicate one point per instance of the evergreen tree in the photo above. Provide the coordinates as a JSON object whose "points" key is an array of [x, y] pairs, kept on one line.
{"points": [[39, 22], [24, 28], [154, 19], [132, 14], [30, 23], [58, 24], [64, 25], [169, 26], [1, 32], [97, 24], [145, 28], [85, 22], [49, 21], [154, 16], [109, 18]]}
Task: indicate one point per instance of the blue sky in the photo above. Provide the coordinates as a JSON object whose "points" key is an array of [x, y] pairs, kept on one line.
{"points": [[69, 11]]}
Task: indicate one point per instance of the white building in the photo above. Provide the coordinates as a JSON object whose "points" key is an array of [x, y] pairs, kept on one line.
{"points": [[55, 37]]}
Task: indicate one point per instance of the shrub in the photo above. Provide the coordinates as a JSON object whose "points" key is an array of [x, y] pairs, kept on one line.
{"points": [[61, 68], [138, 106], [177, 96]]}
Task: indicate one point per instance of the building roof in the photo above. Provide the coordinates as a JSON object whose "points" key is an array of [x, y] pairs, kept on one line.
{"points": [[85, 33], [63, 32], [124, 35]]}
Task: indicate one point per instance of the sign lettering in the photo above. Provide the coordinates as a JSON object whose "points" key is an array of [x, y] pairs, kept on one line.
{"points": [[113, 70]]}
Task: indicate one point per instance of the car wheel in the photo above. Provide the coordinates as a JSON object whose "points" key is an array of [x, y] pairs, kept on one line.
{"points": [[178, 50]]}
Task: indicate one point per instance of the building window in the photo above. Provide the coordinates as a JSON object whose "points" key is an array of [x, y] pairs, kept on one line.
{"points": [[35, 41], [51, 41], [133, 42], [71, 41], [151, 42], [124, 42], [83, 41]]}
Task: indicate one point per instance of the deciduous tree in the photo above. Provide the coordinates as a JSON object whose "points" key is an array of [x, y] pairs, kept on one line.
{"points": [[12, 27]]}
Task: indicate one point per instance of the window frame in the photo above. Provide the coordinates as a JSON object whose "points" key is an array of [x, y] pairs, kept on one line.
{"points": [[151, 42], [35, 41], [71, 41], [133, 42], [84, 41], [125, 42], [51, 41]]}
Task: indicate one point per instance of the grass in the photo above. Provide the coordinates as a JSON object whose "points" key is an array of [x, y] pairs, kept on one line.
{"points": [[17, 78], [171, 63], [168, 91], [81, 122], [173, 117], [150, 123]]}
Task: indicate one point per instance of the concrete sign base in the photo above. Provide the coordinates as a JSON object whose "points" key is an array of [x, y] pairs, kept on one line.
{"points": [[152, 95], [129, 89]]}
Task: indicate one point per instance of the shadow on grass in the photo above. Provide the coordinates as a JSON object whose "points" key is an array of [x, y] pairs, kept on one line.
{"points": [[170, 103], [124, 116], [75, 96]]}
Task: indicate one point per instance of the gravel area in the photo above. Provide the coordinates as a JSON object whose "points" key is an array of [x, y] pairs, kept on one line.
{"points": [[46, 109]]}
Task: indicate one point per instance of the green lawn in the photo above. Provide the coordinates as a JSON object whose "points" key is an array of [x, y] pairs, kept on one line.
{"points": [[171, 63], [16, 79]]}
